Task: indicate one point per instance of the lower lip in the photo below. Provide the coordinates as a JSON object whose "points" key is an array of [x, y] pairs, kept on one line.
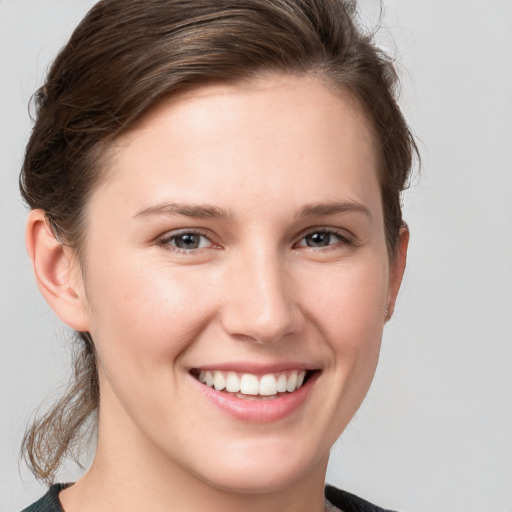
{"points": [[259, 410]]}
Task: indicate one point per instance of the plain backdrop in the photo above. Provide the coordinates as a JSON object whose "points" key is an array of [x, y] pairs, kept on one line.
{"points": [[435, 432]]}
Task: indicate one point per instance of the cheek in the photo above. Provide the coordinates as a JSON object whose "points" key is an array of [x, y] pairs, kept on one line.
{"points": [[347, 305], [143, 313]]}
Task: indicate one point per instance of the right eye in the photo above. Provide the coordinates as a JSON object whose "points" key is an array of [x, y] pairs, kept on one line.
{"points": [[186, 241]]}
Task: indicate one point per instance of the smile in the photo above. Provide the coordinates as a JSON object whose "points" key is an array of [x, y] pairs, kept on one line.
{"points": [[260, 397], [268, 385]]}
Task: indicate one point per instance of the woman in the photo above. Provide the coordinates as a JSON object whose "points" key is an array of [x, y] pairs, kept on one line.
{"points": [[215, 210]]}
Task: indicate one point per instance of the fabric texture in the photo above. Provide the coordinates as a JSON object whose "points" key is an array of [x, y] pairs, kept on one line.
{"points": [[49, 502], [348, 502], [341, 499]]}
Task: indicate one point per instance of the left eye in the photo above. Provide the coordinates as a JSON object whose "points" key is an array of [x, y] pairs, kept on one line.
{"points": [[187, 241], [321, 239]]}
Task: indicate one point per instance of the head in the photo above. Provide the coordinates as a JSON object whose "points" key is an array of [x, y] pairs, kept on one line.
{"points": [[128, 63]]}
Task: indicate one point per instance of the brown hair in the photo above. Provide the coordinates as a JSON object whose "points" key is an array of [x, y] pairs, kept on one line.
{"points": [[126, 55]]}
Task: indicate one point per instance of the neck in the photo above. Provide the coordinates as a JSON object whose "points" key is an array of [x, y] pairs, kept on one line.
{"points": [[106, 487]]}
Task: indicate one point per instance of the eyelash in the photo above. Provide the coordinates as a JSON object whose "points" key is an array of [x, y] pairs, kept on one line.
{"points": [[342, 238], [165, 242]]}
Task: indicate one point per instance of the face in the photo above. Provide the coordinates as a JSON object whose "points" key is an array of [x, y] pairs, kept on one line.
{"points": [[236, 282]]}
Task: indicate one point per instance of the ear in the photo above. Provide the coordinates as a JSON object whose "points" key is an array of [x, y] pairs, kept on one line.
{"points": [[396, 270], [57, 272]]}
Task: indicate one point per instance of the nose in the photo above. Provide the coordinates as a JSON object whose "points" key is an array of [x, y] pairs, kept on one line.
{"points": [[260, 304]]}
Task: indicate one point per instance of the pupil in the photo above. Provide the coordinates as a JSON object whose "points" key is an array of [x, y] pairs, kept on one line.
{"points": [[187, 241], [318, 239]]}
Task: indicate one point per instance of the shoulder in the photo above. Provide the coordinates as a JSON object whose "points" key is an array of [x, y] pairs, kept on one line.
{"points": [[49, 502], [348, 502]]}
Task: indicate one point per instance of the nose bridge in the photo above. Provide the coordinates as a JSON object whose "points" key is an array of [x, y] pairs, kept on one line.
{"points": [[260, 304]]}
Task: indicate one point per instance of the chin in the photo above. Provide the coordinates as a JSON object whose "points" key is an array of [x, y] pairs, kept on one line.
{"points": [[254, 473], [257, 481]]}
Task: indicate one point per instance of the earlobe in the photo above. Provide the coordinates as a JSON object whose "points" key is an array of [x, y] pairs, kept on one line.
{"points": [[56, 271], [396, 271]]}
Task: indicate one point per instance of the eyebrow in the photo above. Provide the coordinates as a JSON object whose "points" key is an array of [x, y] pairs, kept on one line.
{"points": [[321, 209], [206, 211], [201, 211]]}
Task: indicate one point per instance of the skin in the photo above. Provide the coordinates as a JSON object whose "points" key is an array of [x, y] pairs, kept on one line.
{"points": [[253, 292]]}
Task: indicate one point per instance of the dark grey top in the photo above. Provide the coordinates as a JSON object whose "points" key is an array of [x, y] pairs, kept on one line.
{"points": [[341, 499]]}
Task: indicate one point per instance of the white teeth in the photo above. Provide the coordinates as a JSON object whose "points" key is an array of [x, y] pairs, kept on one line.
{"points": [[291, 384], [219, 382], [300, 379], [268, 385], [232, 382], [281, 383], [249, 384], [253, 385]]}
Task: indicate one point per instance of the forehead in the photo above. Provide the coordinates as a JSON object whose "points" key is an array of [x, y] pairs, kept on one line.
{"points": [[247, 102], [280, 133]]}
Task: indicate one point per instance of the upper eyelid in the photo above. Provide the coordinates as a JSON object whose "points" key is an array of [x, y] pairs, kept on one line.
{"points": [[169, 235], [325, 229], [184, 231]]}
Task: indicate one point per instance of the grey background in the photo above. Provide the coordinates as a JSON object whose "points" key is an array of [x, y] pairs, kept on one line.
{"points": [[435, 432]]}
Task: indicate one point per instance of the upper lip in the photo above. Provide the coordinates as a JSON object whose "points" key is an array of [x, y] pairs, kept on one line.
{"points": [[255, 368]]}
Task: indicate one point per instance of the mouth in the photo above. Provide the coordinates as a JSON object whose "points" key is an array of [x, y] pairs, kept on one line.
{"points": [[250, 386]]}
